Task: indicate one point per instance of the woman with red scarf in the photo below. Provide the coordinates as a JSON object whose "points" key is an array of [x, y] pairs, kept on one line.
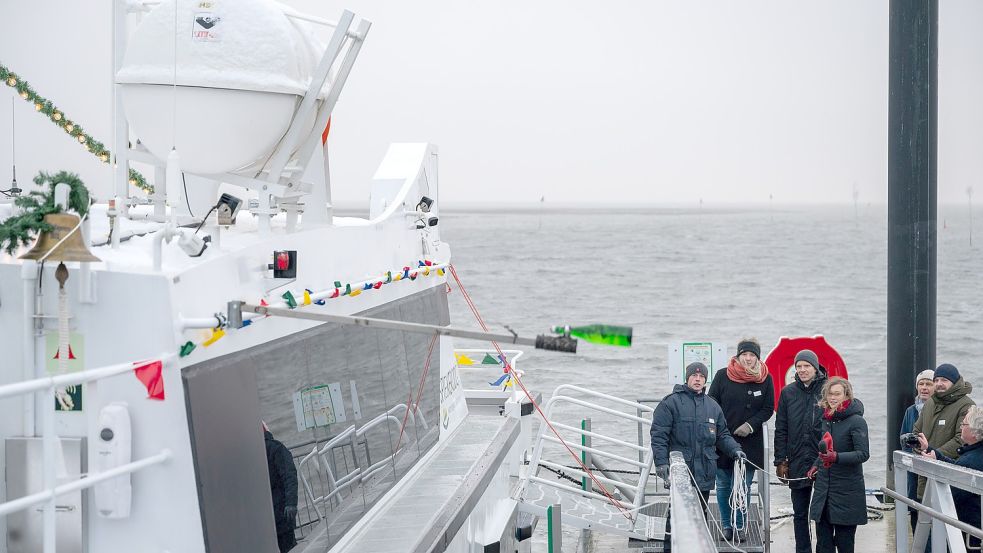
{"points": [[839, 501], [747, 397]]}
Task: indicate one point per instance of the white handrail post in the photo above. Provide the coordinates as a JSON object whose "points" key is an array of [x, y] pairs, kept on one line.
{"points": [[48, 416], [900, 509]]}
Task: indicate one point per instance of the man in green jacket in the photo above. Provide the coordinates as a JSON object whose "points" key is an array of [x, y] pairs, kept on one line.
{"points": [[943, 412]]}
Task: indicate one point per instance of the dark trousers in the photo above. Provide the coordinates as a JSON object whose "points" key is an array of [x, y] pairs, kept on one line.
{"points": [[832, 538], [667, 543], [800, 520]]}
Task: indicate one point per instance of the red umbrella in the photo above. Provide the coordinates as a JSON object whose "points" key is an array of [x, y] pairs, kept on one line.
{"points": [[780, 360]]}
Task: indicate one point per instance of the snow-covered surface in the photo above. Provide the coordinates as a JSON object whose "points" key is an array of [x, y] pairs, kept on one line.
{"points": [[252, 45]]}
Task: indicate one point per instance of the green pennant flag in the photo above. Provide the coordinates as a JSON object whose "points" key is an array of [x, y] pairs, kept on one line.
{"points": [[489, 360]]}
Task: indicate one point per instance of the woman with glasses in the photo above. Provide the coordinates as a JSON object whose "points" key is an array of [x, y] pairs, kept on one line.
{"points": [[839, 502]]}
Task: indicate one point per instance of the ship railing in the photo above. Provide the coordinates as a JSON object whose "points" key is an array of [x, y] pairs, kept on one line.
{"points": [[595, 447], [936, 512], [689, 531], [320, 460], [46, 389]]}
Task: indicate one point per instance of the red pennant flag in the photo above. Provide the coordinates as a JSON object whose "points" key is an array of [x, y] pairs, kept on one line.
{"points": [[71, 354], [149, 373]]}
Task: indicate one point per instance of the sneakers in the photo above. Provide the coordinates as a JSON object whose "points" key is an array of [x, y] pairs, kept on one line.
{"points": [[728, 534]]}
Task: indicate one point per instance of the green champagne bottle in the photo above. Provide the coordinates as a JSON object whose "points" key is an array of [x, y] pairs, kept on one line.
{"points": [[609, 335]]}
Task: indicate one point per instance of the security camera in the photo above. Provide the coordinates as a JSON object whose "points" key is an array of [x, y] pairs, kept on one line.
{"points": [[424, 204], [432, 221]]}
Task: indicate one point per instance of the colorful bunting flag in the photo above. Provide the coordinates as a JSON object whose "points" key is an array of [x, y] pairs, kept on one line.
{"points": [[187, 348], [307, 296], [289, 298], [489, 360], [217, 334], [463, 359], [150, 374]]}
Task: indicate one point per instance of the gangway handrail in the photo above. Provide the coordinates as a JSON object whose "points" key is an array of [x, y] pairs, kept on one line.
{"points": [[645, 465], [962, 526], [690, 532], [938, 495]]}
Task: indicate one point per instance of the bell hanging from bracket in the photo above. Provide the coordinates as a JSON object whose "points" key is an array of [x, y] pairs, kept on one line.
{"points": [[63, 242]]}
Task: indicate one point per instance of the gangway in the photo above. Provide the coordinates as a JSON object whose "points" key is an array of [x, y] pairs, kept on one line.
{"points": [[634, 506]]}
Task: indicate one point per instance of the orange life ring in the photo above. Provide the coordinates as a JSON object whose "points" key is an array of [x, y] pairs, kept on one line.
{"points": [[780, 360]]}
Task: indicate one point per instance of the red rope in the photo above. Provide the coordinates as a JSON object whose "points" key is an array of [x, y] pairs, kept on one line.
{"points": [[515, 375], [419, 392]]}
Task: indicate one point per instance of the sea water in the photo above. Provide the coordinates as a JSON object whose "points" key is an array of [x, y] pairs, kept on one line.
{"points": [[708, 274]]}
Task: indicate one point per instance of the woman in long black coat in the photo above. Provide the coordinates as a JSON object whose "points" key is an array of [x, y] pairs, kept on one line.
{"points": [[746, 395], [839, 502]]}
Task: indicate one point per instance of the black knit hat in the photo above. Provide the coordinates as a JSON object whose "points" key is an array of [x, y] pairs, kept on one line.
{"points": [[751, 345], [696, 368], [947, 371]]}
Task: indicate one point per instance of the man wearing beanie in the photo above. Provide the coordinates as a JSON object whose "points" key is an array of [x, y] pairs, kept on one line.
{"points": [[924, 386], [796, 439], [943, 412], [746, 395], [690, 422]]}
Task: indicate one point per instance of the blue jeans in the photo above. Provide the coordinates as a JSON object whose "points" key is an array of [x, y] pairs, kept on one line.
{"points": [[725, 481]]}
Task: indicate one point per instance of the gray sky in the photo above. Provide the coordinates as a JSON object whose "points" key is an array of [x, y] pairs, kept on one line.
{"points": [[647, 102]]}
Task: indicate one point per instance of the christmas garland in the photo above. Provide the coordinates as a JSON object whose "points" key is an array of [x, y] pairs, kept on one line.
{"points": [[57, 116], [21, 229]]}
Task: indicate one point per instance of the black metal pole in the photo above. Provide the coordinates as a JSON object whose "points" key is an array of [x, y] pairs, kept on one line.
{"points": [[912, 199]]}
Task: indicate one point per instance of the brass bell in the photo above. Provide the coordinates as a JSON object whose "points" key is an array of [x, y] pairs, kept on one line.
{"points": [[72, 248]]}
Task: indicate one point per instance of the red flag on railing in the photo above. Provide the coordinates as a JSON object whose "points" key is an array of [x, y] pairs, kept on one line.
{"points": [[149, 373]]}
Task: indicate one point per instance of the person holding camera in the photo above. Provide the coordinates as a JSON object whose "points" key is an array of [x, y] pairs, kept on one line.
{"points": [[839, 502], [970, 456], [796, 436], [942, 412], [924, 386]]}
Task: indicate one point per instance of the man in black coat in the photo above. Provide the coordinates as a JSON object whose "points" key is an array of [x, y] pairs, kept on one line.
{"points": [[796, 439], [690, 422], [283, 489], [745, 393]]}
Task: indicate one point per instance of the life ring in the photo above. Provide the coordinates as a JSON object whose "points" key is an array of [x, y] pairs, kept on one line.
{"points": [[780, 360]]}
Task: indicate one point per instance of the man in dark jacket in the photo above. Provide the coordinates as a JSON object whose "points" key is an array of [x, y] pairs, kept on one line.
{"points": [[746, 395], [690, 422], [796, 439], [283, 488], [970, 456]]}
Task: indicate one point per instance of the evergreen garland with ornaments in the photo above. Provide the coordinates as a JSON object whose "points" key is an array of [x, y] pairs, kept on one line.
{"points": [[57, 116], [22, 229]]}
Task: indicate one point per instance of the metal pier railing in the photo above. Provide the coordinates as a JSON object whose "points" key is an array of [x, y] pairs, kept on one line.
{"points": [[937, 512]]}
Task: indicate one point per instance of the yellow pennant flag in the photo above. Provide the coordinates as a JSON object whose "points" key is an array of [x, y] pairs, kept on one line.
{"points": [[307, 297], [216, 336], [463, 359]]}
